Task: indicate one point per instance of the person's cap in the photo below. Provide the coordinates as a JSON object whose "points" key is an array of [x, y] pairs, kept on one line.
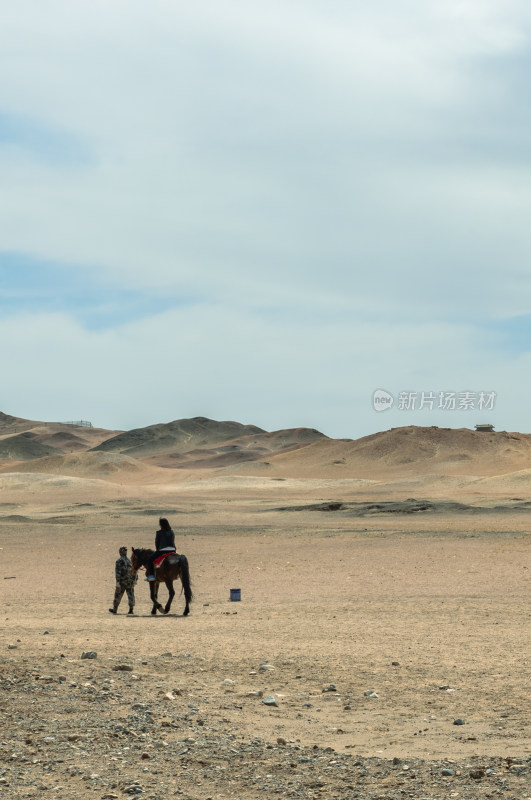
{"points": [[123, 549]]}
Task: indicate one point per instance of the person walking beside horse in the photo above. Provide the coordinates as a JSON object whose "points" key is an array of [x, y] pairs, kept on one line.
{"points": [[164, 543], [125, 581]]}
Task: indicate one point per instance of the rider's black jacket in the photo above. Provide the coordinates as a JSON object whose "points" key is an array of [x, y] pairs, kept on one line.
{"points": [[164, 539]]}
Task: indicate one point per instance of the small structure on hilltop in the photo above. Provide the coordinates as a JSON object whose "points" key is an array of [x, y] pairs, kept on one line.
{"points": [[81, 423], [485, 428]]}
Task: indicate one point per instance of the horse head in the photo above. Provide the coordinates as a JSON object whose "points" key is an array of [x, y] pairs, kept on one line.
{"points": [[136, 562]]}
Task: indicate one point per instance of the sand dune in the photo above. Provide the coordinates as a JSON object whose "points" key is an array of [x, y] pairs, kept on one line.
{"points": [[250, 448], [180, 436], [24, 481], [24, 447], [519, 481], [64, 441], [98, 465], [410, 450], [288, 438], [200, 459], [58, 436], [11, 425], [413, 460]]}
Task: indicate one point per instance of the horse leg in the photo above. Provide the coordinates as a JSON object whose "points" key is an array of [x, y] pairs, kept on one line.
{"points": [[187, 584], [186, 595], [171, 592], [153, 592], [156, 605]]}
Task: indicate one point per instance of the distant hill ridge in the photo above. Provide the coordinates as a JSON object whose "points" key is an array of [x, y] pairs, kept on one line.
{"points": [[193, 443], [232, 448], [450, 451], [26, 439], [181, 435], [25, 446]]}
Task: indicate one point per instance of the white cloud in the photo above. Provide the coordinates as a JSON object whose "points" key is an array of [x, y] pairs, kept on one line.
{"points": [[223, 363], [341, 185]]}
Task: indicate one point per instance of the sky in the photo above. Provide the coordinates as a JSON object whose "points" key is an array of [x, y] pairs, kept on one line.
{"points": [[266, 212]]}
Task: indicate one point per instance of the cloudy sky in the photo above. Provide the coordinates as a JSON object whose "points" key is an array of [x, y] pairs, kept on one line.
{"points": [[266, 211]]}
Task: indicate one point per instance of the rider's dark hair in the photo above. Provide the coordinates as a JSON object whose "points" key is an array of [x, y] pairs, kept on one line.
{"points": [[164, 524]]}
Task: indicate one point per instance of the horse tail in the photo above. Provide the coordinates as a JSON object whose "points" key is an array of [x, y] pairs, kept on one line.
{"points": [[185, 579]]}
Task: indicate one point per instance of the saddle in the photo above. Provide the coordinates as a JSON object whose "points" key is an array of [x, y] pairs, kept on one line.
{"points": [[158, 561]]}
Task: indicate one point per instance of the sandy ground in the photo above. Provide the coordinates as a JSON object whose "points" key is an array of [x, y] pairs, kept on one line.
{"points": [[428, 610]]}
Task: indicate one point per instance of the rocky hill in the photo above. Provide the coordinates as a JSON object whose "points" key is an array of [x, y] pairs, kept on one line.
{"points": [[236, 449], [179, 436]]}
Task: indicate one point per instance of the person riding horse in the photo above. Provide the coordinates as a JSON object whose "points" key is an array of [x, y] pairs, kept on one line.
{"points": [[164, 543]]}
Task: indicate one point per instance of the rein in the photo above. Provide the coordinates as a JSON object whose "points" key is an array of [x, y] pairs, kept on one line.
{"points": [[140, 568]]}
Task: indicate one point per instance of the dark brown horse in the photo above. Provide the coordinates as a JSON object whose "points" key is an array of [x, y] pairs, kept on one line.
{"points": [[174, 566]]}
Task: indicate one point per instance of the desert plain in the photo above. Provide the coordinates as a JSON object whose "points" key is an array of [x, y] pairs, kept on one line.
{"points": [[384, 615]]}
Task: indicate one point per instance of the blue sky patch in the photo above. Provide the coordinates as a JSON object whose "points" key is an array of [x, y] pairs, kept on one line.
{"points": [[513, 334], [30, 286], [42, 141]]}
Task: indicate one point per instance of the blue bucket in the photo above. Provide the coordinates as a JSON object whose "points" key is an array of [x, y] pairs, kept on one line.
{"points": [[235, 595]]}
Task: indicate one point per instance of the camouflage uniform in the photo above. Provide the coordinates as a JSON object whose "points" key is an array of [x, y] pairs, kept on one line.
{"points": [[125, 582]]}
